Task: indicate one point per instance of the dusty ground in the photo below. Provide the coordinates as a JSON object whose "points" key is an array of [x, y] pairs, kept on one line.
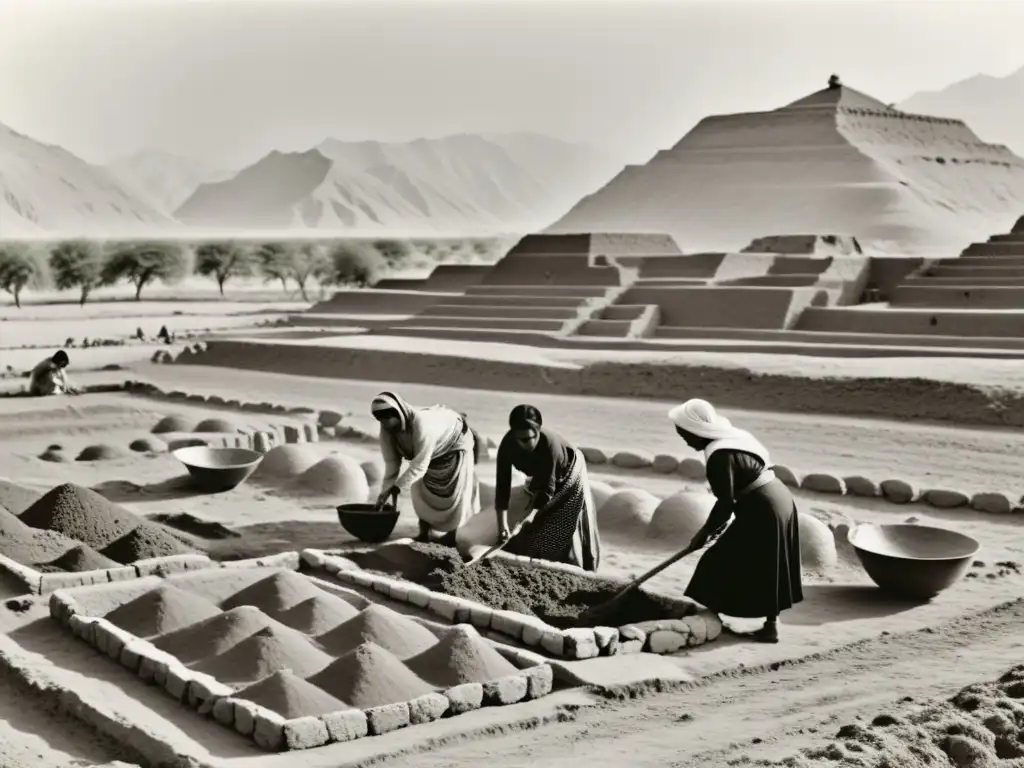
{"points": [[783, 709]]}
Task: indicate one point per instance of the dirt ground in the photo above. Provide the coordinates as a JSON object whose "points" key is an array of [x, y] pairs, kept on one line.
{"points": [[755, 709]]}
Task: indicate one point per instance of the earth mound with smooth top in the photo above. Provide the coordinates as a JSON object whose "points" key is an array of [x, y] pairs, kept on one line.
{"points": [[287, 461], [339, 477], [214, 635], [148, 445], [319, 614], [216, 425], [626, 514], [275, 593], [101, 452], [383, 627], [161, 610], [290, 696], [173, 423], [679, 517], [271, 649], [370, 676], [462, 656]]}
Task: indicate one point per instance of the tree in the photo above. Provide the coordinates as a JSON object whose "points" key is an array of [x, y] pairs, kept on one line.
{"points": [[77, 264], [142, 263], [223, 260], [395, 252], [294, 261], [352, 265], [20, 267], [276, 261]]}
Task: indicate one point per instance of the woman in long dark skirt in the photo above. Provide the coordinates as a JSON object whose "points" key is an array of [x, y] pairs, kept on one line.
{"points": [[753, 569]]}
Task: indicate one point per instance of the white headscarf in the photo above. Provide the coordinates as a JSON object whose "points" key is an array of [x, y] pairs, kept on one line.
{"points": [[699, 417]]}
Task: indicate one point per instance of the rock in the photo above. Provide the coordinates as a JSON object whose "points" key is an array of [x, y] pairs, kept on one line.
{"points": [[329, 418], [505, 690], [268, 729], [665, 464], [787, 476], [303, 733], [856, 485], [945, 498], [387, 718], [346, 725], [898, 491], [594, 455], [819, 482], [817, 544], [665, 641], [679, 517], [224, 711], [993, 503], [692, 469], [540, 680], [632, 460], [427, 708], [464, 698]]}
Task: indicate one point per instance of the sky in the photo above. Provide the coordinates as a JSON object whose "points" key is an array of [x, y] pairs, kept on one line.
{"points": [[229, 80]]}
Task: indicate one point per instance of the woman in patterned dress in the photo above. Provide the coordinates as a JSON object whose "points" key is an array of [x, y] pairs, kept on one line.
{"points": [[437, 444], [753, 568], [562, 522]]}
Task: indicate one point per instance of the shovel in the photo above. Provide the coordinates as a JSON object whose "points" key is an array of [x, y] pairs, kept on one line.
{"points": [[496, 547]]}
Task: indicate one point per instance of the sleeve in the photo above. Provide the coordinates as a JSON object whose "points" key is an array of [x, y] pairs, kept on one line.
{"points": [[503, 479], [392, 461], [425, 435], [722, 481], [544, 481]]}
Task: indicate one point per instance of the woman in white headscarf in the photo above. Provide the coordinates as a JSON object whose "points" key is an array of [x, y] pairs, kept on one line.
{"points": [[440, 476], [753, 568]]}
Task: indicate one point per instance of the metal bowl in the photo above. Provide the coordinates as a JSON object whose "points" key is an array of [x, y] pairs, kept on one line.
{"points": [[214, 470], [916, 561], [366, 522]]}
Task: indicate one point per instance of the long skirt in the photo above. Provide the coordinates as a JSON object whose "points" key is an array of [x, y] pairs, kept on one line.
{"points": [[448, 495], [753, 570], [565, 529]]}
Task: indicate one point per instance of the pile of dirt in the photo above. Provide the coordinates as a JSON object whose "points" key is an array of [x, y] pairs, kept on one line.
{"points": [[461, 657], [381, 627], [369, 676], [339, 477], [17, 498], [291, 696], [626, 514], [101, 452], [275, 593], [78, 560], [270, 650], [205, 529], [54, 456], [287, 461], [374, 472], [214, 635], [414, 561], [27, 545], [979, 726], [173, 424], [216, 425], [82, 514], [148, 445], [144, 542], [318, 614], [160, 611]]}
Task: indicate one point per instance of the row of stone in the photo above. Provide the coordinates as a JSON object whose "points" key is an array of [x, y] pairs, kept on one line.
{"points": [[894, 490], [577, 643], [268, 729]]}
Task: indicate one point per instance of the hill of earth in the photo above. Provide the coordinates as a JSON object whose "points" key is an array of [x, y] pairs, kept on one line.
{"points": [[837, 161], [463, 184]]}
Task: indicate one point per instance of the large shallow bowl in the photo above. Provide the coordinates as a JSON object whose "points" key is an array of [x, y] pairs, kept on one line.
{"points": [[367, 523], [916, 561], [218, 469]]}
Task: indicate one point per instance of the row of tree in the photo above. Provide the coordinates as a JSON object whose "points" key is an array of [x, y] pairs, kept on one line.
{"points": [[87, 265]]}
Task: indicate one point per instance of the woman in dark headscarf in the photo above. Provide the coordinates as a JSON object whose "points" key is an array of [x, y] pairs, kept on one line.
{"points": [[753, 569], [441, 474], [563, 522]]}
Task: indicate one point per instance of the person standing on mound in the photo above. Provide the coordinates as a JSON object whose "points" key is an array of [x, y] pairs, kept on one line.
{"points": [[753, 568], [561, 520], [441, 475], [49, 377]]}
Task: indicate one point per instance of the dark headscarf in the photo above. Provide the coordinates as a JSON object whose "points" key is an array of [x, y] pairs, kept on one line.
{"points": [[525, 417], [60, 358], [390, 402]]}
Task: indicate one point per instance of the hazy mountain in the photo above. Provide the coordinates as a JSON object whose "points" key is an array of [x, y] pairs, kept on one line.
{"points": [[992, 106], [164, 180], [45, 188], [464, 183]]}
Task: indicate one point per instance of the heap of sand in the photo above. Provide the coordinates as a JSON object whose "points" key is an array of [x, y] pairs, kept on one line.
{"points": [[78, 559], [216, 425], [101, 452], [148, 445], [337, 476], [271, 649], [143, 542], [370, 676], [213, 635], [27, 545], [275, 594], [287, 461], [160, 611], [678, 518], [460, 657], [626, 515], [54, 456], [17, 498], [174, 423], [382, 627], [290, 696], [319, 614]]}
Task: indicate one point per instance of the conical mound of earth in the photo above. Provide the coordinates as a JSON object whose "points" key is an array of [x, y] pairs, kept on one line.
{"points": [[143, 542], [290, 696], [270, 650], [214, 635], [318, 614], [162, 610], [461, 657], [382, 627], [276, 593], [17, 498], [369, 676], [80, 513], [80, 559], [27, 545]]}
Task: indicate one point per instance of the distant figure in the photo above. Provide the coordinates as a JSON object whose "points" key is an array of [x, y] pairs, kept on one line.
{"points": [[49, 378], [164, 335], [139, 334], [834, 82]]}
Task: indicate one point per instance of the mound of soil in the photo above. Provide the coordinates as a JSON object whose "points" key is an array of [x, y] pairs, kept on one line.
{"points": [[374, 472], [17, 498], [173, 424], [54, 457], [382, 627], [80, 513], [461, 657], [144, 542], [27, 545], [148, 445], [270, 650], [78, 560], [319, 614], [291, 696], [626, 514], [161, 610], [414, 561], [100, 452], [369, 676], [287, 461], [204, 529], [339, 477], [216, 425], [275, 594], [214, 635]]}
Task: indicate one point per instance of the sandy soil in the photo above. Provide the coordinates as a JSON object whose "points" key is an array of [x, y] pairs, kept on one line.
{"points": [[784, 708]]}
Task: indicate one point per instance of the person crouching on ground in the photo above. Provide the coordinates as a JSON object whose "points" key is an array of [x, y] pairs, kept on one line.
{"points": [[753, 569], [561, 520], [441, 474], [49, 377]]}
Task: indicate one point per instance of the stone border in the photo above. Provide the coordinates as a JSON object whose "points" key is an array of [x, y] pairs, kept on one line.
{"points": [[39, 583], [661, 636], [266, 728]]}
